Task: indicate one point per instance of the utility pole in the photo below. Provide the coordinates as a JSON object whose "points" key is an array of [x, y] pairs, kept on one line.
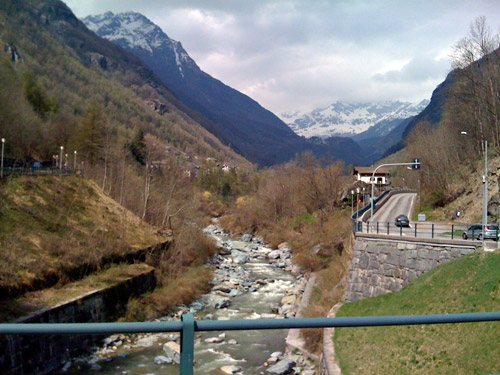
{"points": [[485, 192], [60, 160]]}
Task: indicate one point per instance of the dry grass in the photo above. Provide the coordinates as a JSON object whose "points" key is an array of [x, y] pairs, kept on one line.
{"points": [[58, 229], [179, 288]]}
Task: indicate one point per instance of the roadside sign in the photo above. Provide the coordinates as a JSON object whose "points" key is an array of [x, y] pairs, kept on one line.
{"points": [[416, 164]]}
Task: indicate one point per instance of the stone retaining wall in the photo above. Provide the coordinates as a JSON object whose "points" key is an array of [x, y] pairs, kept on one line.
{"points": [[23, 355], [385, 265]]}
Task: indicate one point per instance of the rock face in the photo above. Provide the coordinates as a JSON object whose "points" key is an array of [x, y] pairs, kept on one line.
{"points": [[494, 207]]}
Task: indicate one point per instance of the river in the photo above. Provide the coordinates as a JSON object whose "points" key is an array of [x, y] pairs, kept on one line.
{"points": [[250, 282]]}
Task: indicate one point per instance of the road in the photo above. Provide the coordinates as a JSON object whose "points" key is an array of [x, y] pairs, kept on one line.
{"points": [[399, 204], [403, 204]]}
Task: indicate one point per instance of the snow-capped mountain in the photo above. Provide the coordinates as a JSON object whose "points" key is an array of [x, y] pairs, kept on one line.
{"points": [[340, 119], [133, 31], [234, 118]]}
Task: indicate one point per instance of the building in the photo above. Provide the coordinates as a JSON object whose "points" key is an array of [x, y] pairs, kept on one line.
{"points": [[364, 174]]}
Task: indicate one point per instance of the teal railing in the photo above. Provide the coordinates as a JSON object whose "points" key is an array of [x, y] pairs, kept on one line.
{"points": [[188, 326]]}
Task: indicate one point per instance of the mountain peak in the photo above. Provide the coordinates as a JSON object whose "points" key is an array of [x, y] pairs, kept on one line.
{"points": [[134, 31], [349, 119]]}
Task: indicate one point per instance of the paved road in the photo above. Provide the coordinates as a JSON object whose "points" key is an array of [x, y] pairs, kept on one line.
{"points": [[398, 204], [403, 204]]}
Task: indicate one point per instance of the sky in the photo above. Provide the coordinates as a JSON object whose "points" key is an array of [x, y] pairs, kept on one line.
{"points": [[299, 55]]}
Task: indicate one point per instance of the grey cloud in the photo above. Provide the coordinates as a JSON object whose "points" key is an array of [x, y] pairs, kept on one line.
{"points": [[420, 68]]}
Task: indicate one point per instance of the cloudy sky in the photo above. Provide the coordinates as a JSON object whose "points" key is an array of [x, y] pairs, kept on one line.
{"points": [[299, 55]]}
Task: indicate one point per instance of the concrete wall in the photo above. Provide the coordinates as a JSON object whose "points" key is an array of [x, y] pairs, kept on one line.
{"points": [[386, 264], [23, 355]]}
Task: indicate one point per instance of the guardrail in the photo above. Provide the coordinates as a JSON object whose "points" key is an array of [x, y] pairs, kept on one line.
{"points": [[429, 230], [188, 326], [9, 171]]}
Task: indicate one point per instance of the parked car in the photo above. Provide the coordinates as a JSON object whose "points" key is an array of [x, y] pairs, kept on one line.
{"points": [[402, 221], [476, 232]]}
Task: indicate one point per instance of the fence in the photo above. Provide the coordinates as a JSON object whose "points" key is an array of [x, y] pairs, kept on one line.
{"points": [[18, 171], [430, 230], [188, 326]]}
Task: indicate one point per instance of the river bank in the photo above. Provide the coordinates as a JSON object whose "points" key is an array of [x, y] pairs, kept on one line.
{"points": [[251, 281]]}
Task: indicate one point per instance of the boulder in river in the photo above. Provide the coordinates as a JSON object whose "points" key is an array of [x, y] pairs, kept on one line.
{"points": [[214, 340], [246, 238], [275, 254], [230, 369], [173, 351], [239, 257], [281, 368], [161, 359], [219, 302], [238, 245]]}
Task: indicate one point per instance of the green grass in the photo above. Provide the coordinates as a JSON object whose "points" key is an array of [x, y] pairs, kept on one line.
{"points": [[469, 284]]}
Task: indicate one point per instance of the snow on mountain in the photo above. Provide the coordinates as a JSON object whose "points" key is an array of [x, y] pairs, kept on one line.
{"points": [[132, 30], [340, 119]]}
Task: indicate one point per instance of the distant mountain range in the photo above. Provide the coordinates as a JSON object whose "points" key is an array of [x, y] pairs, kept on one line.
{"points": [[349, 120], [236, 119]]}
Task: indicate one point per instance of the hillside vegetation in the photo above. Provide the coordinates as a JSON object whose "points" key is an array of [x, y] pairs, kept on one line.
{"points": [[55, 230], [449, 137], [469, 284]]}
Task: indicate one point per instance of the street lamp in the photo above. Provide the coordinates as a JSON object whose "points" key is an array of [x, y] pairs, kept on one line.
{"points": [[74, 160], [1, 164], [357, 203], [352, 202], [61, 158], [66, 162]]}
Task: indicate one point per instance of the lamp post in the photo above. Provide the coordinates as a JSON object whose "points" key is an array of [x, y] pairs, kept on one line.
{"points": [[1, 164], [61, 158], [485, 191], [66, 162], [357, 203], [352, 203], [74, 160]]}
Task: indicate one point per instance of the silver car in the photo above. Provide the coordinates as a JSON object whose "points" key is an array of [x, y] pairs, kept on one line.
{"points": [[476, 232]]}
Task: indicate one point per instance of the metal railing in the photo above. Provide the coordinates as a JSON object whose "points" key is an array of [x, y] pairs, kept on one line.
{"points": [[188, 326], [20, 171], [458, 231]]}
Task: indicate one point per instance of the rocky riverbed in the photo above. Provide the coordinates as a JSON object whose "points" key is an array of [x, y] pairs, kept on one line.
{"points": [[251, 281]]}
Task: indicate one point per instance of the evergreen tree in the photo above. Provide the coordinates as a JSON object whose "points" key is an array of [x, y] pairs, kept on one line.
{"points": [[91, 135], [138, 147]]}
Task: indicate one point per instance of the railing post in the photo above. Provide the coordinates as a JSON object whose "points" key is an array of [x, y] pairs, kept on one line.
{"points": [[377, 227], [415, 230], [187, 344], [432, 230], [387, 228], [400, 230], [452, 230]]}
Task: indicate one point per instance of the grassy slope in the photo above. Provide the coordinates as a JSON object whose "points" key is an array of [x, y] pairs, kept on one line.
{"points": [[469, 284], [52, 225]]}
